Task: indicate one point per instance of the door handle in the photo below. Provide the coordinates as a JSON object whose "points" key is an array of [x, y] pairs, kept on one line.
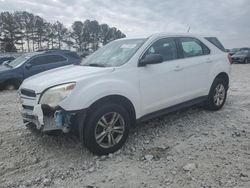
{"points": [[178, 68]]}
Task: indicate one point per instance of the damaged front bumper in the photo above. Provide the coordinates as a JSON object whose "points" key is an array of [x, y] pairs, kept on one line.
{"points": [[47, 119], [44, 117]]}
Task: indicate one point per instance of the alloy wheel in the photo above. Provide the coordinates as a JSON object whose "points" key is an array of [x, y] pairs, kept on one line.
{"points": [[109, 129], [219, 95]]}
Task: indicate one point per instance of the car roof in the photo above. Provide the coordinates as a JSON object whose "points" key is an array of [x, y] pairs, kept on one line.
{"points": [[164, 34]]}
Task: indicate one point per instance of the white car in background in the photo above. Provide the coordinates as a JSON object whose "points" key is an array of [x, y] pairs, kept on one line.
{"points": [[126, 81]]}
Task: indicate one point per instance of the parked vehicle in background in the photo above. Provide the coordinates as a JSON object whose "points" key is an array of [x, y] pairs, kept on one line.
{"points": [[242, 56], [233, 51], [126, 81], [6, 59], [245, 48], [12, 74]]}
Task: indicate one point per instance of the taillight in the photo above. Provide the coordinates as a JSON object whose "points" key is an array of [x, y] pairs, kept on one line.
{"points": [[230, 58]]}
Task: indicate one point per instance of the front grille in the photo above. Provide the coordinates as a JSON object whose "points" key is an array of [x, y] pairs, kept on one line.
{"points": [[27, 92], [26, 107]]}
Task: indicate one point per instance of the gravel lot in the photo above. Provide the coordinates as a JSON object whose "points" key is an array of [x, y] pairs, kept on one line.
{"points": [[191, 148]]}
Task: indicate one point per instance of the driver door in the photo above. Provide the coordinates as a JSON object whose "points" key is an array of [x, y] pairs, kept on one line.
{"points": [[34, 66], [161, 84]]}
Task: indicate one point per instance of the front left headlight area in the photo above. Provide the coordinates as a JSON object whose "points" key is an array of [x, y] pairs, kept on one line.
{"points": [[54, 95]]}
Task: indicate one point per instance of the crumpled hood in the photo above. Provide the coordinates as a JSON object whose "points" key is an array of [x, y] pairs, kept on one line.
{"points": [[71, 73]]}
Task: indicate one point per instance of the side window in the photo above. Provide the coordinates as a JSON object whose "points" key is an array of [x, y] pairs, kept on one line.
{"points": [[73, 55], [193, 47], [53, 59], [36, 61], [165, 47]]}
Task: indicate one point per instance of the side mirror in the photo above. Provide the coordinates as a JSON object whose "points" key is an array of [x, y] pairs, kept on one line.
{"points": [[151, 59], [28, 66]]}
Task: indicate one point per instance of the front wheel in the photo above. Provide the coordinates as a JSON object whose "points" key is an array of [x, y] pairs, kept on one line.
{"points": [[106, 129], [10, 87], [217, 95]]}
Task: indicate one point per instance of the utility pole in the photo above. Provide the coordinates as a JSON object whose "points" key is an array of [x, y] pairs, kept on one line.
{"points": [[188, 29]]}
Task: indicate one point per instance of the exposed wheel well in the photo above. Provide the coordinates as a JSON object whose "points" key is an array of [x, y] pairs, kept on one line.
{"points": [[117, 99], [225, 77]]}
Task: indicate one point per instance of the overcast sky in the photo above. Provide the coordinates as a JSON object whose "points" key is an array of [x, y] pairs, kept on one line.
{"points": [[229, 20]]}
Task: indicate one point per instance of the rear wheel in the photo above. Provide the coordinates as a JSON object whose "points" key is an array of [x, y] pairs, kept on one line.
{"points": [[217, 95], [106, 129], [246, 61]]}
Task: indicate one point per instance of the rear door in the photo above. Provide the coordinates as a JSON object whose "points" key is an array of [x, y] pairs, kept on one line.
{"points": [[54, 60], [195, 67]]}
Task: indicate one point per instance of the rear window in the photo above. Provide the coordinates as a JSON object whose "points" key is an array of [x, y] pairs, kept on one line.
{"points": [[216, 42]]}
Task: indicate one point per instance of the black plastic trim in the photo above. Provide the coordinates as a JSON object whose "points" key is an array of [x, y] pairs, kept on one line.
{"points": [[171, 109]]}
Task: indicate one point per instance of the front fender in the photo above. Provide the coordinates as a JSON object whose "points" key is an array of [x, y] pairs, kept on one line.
{"points": [[86, 94], [10, 76]]}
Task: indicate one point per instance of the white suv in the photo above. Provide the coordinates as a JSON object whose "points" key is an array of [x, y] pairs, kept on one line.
{"points": [[126, 81]]}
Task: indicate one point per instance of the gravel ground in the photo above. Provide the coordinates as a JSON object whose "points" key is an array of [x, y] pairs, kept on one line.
{"points": [[191, 148]]}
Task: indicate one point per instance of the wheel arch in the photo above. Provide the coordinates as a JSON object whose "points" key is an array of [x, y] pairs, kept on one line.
{"points": [[15, 81], [225, 77], [117, 99]]}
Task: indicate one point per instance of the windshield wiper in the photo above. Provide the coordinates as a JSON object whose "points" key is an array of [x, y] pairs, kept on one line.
{"points": [[95, 65]]}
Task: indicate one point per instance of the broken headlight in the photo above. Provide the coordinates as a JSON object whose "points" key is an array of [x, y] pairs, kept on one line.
{"points": [[56, 94]]}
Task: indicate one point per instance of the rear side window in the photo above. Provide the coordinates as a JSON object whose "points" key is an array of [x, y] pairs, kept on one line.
{"points": [[37, 61], [73, 55], [53, 58], [165, 47], [47, 59], [192, 47]]}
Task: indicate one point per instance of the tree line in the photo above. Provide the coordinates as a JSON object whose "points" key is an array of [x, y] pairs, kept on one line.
{"points": [[26, 32]]}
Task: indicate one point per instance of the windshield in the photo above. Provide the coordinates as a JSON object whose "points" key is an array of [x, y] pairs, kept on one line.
{"points": [[114, 54], [242, 52], [18, 61]]}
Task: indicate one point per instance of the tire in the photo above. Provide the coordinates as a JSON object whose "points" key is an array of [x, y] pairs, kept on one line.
{"points": [[101, 135], [246, 61], [10, 87], [217, 95]]}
